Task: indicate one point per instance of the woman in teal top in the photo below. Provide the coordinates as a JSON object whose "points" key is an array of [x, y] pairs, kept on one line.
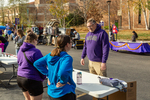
{"points": [[59, 72]]}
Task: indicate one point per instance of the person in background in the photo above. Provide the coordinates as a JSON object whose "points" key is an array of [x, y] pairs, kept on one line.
{"points": [[56, 33], [45, 31], [77, 36], [40, 30], [36, 30], [14, 34], [1, 32], [134, 36], [3, 40], [112, 37], [6, 34], [19, 39], [59, 72], [29, 79], [49, 34], [96, 47], [9, 34]]}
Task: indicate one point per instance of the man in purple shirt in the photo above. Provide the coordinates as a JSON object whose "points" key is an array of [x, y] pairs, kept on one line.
{"points": [[96, 47]]}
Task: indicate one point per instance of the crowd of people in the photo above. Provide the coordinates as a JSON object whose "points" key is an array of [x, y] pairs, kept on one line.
{"points": [[33, 68], [56, 66]]}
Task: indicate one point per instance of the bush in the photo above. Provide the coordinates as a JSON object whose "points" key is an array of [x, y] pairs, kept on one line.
{"points": [[106, 27], [74, 20]]}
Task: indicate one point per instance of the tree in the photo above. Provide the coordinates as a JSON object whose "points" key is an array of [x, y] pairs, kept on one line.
{"points": [[83, 6], [129, 21], [74, 19], [2, 12], [19, 7], [58, 9], [140, 5], [94, 11], [148, 7]]}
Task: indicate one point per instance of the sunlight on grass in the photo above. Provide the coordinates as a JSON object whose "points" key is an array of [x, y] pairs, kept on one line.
{"points": [[143, 35]]}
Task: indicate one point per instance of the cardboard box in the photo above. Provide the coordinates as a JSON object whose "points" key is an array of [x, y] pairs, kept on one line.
{"points": [[79, 42], [68, 31], [129, 95]]}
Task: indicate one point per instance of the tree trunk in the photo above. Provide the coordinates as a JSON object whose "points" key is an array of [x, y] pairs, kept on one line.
{"points": [[85, 12], [144, 15], [64, 23], [3, 21], [129, 21], [149, 19], [145, 20]]}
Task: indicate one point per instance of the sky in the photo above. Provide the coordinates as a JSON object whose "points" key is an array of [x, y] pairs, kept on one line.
{"points": [[6, 2]]}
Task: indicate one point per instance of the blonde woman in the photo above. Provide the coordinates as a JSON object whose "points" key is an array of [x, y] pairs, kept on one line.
{"points": [[29, 79]]}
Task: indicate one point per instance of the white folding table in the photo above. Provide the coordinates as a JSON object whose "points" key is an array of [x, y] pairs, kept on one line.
{"points": [[11, 60], [92, 86]]}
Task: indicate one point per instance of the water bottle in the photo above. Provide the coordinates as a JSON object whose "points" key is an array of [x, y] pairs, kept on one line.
{"points": [[79, 78]]}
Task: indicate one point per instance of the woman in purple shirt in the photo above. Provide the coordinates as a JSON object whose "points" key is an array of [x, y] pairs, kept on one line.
{"points": [[29, 79]]}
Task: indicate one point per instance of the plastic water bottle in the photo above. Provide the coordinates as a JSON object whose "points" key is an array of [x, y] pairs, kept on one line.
{"points": [[79, 78]]}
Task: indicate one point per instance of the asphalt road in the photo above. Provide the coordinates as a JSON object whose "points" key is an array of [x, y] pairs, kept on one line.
{"points": [[123, 65]]}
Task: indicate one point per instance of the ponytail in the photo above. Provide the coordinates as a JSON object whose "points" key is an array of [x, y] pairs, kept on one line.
{"points": [[56, 51], [62, 41]]}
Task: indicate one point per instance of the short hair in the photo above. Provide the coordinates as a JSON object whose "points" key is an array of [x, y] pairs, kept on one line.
{"points": [[91, 20], [30, 37]]}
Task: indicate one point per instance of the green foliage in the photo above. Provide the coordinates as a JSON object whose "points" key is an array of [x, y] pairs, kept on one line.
{"points": [[74, 20], [106, 27], [148, 5]]}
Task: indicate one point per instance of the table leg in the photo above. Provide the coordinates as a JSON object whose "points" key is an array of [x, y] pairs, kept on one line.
{"points": [[107, 97], [14, 74], [2, 66], [3, 84]]}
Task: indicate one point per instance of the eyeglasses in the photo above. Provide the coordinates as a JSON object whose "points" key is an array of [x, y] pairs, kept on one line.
{"points": [[90, 26]]}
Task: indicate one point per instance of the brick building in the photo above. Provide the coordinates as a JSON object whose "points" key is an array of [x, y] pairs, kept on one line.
{"points": [[119, 12], [38, 13]]}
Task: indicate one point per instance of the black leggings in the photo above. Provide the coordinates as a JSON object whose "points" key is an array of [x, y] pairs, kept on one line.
{"points": [[69, 96]]}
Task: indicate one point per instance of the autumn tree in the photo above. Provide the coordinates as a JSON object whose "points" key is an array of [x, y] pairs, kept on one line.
{"points": [[148, 7], [19, 7], [2, 12], [83, 6], [59, 10], [93, 11], [140, 6]]}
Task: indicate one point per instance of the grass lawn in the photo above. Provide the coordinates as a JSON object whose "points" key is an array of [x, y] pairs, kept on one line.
{"points": [[126, 34]]}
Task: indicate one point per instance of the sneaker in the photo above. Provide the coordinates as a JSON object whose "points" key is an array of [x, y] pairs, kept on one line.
{"points": [[73, 45]]}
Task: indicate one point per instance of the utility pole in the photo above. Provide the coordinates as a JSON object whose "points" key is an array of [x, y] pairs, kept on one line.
{"points": [[108, 2]]}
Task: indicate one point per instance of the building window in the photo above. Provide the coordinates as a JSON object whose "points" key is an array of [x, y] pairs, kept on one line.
{"points": [[140, 11]]}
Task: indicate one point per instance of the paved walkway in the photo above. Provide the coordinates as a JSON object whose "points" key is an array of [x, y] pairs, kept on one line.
{"points": [[13, 92]]}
